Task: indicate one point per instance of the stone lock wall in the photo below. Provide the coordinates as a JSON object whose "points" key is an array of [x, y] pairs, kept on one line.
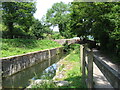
{"points": [[68, 41], [14, 64]]}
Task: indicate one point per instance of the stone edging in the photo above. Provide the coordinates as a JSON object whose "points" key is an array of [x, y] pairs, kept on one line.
{"points": [[13, 64]]}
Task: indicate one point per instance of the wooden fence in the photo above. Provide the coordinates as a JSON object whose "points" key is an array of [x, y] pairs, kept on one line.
{"points": [[87, 59]]}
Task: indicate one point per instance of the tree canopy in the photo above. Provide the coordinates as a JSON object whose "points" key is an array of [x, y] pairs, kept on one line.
{"points": [[58, 15], [18, 13], [100, 20], [97, 19]]}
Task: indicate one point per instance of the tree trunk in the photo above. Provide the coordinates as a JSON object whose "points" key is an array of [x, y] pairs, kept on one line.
{"points": [[10, 27]]}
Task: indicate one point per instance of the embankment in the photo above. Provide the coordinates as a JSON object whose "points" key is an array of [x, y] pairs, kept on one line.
{"points": [[13, 64]]}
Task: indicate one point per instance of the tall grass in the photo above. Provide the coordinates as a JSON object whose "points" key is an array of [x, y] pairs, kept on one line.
{"points": [[12, 47], [74, 75], [73, 68]]}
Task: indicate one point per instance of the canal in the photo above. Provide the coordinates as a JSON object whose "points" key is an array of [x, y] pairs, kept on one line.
{"points": [[42, 70]]}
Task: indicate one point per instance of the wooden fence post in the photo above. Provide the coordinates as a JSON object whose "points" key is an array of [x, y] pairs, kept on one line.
{"points": [[82, 56], [86, 64], [0, 74], [90, 70]]}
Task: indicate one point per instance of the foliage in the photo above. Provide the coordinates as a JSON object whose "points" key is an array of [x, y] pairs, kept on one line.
{"points": [[37, 29], [56, 35], [75, 55], [74, 75], [12, 47], [100, 20], [18, 13], [55, 15], [71, 47], [73, 71], [58, 15], [19, 20]]}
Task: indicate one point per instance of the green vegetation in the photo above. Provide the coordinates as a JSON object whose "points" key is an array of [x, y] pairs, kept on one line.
{"points": [[73, 19], [70, 69], [19, 22], [88, 19], [17, 16], [12, 47], [73, 71], [57, 35], [100, 20], [45, 85], [37, 30], [59, 15]]}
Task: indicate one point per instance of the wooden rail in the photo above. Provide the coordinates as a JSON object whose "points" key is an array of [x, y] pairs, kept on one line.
{"points": [[87, 59]]}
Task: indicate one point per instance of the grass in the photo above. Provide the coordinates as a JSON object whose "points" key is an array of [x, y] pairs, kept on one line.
{"points": [[74, 74], [70, 69], [12, 47]]}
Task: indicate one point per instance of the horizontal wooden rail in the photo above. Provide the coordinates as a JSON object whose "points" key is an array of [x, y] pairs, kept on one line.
{"points": [[112, 76], [87, 59]]}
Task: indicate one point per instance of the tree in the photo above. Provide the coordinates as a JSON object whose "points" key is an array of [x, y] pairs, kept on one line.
{"points": [[18, 13], [79, 19], [58, 15], [114, 34], [38, 30], [100, 20]]}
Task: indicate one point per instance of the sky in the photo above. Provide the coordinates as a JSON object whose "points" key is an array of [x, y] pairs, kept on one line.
{"points": [[43, 5]]}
